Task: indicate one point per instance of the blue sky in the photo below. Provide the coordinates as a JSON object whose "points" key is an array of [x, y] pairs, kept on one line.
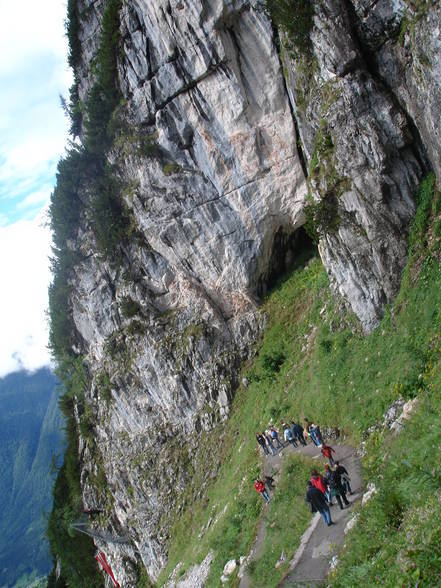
{"points": [[33, 133]]}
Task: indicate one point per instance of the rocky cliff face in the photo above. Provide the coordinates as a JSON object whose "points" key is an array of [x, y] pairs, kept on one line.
{"points": [[364, 148], [225, 189], [206, 149]]}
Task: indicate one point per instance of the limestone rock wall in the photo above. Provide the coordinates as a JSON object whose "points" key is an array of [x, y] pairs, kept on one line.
{"points": [[404, 41], [364, 149], [207, 152]]}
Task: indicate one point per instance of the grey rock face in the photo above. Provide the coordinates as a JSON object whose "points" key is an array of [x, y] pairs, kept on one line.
{"points": [[411, 67], [379, 22], [365, 165], [207, 153]]}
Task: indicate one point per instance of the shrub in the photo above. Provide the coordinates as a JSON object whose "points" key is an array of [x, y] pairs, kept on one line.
{"points": [[109, 217], [74, 553], [65, 207], [72, 25], [77, 566], [321, 216], [74, 108], [171, 168], [273, 361], [105, 94], [136, 328], [75, 111], [61, 323], [295, 18], [83, 180], [326, 345], [87, 426], [65, 214], [321, 213], [104, 387], [148, 146], [129, 307]]}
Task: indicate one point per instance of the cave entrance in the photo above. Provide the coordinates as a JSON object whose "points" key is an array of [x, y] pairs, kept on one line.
{"points": [[289, 251]]}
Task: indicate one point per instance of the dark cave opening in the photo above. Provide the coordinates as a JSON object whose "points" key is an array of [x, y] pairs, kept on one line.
{"points": [[290, 250]]}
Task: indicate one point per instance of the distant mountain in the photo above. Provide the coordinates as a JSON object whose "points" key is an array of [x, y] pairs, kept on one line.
{"points": [[31, 433]]}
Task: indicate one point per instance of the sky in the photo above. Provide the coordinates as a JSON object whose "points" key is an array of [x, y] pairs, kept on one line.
{"points": [[33, 134]]}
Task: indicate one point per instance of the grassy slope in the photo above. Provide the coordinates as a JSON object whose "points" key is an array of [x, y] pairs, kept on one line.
{"points": [[396, 542], [314, 361]]}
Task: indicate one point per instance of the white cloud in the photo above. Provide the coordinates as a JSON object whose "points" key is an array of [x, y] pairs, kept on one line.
{"points": [[30, 27], [33, 73], [38, 198], [25, 248], [33, 132]]}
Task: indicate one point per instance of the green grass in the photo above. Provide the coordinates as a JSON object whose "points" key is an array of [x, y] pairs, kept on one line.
{"points": [[234, 446], [287, 519], [314, 361], [396, 542]]}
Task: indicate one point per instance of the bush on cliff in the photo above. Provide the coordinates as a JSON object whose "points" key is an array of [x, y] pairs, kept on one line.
{"points": [[295, 18]]}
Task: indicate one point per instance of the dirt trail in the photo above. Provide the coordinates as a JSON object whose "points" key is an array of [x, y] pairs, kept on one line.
{"points": [[310, 564]]}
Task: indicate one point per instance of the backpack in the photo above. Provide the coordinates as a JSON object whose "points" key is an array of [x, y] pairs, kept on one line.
{"points": [[345, 478], [333, 480]]}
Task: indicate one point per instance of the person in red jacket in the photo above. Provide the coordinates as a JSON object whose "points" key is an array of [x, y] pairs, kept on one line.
{"points": [[327, 451], [259, 486], [318, 482]]}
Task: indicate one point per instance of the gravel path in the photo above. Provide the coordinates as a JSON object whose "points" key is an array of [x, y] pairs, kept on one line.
{"points": [[310, 564]]}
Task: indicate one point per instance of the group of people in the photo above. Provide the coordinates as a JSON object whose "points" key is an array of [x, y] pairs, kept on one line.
{"points": [[293, 434], [269, 439], [321, 489]]}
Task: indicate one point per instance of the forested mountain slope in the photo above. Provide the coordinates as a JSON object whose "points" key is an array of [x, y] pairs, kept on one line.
{"points": [[31, 435]]}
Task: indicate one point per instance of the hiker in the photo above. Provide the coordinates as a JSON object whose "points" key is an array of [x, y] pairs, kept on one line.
{"points": [[344, 477], [297, 431], [261, 441], [309, 431], [318, 482], [269, 481], [306, 430], [318, 435], [275, 436], [317, 502], [259, 486], [327, 451], [269, 442], [289, 437], [312, 434], [336, 489]]}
